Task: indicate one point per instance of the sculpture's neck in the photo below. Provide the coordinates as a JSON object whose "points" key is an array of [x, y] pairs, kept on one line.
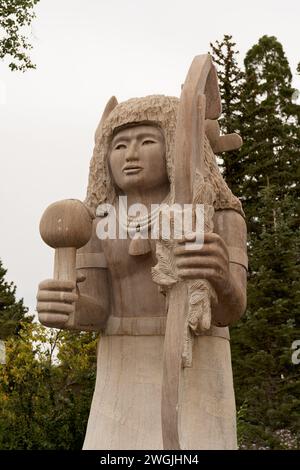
{"points": [[148, 197]]}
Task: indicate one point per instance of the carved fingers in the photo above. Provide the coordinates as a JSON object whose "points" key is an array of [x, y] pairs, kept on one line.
{"points": [[56, 301], [210, 262]]}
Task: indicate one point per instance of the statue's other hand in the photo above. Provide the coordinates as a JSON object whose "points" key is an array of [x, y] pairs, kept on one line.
{"points": [[56, 301], [210, 262]]}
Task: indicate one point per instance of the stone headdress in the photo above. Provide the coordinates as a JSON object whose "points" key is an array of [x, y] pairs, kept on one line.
{"points": [[161, 111]]}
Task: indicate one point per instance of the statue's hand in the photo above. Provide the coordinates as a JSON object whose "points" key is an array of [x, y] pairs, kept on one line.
{"points": [[56, 301], [210, 262]]}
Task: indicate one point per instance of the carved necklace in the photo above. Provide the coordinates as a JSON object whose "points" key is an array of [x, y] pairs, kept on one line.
{"points": [[138, 227]]}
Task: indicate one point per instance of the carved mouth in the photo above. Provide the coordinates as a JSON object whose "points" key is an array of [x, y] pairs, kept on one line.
{"points": [[132, 169]]}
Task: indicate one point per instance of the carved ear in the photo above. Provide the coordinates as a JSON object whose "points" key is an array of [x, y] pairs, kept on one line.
{"points": [[111, 104]]}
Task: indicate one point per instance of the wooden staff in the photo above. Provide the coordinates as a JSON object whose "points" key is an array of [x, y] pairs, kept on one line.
{"points": [[200, 100]]}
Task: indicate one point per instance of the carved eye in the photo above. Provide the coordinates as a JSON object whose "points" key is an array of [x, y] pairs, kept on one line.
{"points": [[120, 146], [148, 142]]}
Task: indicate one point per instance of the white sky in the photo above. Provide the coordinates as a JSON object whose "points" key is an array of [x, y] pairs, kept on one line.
{"points": [[86, 51]]}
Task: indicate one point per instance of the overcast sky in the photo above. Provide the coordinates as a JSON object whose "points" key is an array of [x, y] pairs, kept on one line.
{"points": [[86, 51]]}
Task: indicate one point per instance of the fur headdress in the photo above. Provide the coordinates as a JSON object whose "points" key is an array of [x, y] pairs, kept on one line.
{"points": [[162, 111]]}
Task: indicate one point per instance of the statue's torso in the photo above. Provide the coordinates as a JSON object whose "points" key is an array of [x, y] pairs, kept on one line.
{"points": [[133, 292], [126, 407]]}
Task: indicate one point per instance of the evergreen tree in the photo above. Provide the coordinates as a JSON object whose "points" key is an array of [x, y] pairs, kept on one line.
{"points": [[271, 130], [265, 175], [12, 312], [267, 383], [231, 79]]}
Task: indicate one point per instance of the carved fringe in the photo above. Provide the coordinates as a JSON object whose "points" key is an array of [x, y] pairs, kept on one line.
{"points": [[200, 292]]}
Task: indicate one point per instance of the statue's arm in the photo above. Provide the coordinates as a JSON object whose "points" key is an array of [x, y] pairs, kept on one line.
{"points": [[222, 260], [232, 301], [87, 299]]}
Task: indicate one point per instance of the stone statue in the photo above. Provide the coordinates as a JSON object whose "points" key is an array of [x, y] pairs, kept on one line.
{"points": [[163, 304]]}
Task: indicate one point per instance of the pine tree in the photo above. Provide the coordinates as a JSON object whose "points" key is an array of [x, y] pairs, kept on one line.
{"points": [[270, 126], [12, 312], [267, 383], [266, 178], [231, 79]]}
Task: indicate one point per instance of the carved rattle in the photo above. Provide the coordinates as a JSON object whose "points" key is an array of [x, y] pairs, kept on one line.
{"points": [[66, 226]]}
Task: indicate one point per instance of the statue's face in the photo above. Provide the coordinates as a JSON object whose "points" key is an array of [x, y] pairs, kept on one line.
{"points": [[137, 158]]}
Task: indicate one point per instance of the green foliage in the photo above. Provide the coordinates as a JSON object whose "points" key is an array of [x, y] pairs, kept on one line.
{"points": [[15, 17], [12, 312], [231, 80], [47, 383], [266, 381], [270, 125], [265, 175], [46, 388]]}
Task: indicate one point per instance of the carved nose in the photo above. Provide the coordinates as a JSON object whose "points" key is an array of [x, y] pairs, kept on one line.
{"points": [[131, 152]]}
